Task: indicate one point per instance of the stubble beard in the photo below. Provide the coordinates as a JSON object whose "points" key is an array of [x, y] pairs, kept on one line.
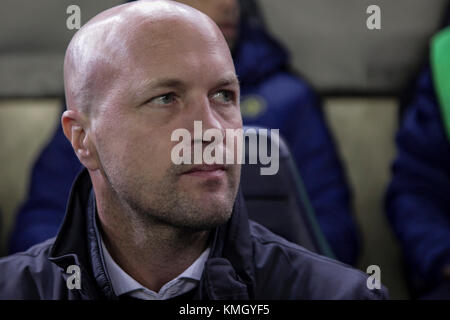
{"points": [[169, 206]]}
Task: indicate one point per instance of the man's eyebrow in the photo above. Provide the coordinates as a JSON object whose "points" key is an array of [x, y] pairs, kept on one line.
{"points": [[162, 82], [227, 81], [150, 84], [177, 83]]}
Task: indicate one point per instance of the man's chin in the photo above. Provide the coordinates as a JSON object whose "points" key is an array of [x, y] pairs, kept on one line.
{"points": [[204, 220], [211, 212], [199, 187]]}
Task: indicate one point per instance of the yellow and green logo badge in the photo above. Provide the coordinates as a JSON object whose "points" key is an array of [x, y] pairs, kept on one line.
{"points": [[253, 106]]}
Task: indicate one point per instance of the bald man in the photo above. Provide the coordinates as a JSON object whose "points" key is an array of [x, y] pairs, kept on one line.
{"points": [[137, 225]]}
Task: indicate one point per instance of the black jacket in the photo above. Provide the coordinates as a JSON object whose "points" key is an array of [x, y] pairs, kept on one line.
{"points": [[246, 262]]}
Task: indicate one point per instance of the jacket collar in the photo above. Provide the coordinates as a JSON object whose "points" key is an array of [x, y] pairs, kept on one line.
{"points": [[71, 246], [228, 272]]}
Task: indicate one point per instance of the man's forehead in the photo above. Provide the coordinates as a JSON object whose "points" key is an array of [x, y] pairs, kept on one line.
{"points": [[177, 57]]}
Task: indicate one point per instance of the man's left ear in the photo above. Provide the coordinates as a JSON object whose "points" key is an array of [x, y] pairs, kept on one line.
{"points": [[75, 129]]}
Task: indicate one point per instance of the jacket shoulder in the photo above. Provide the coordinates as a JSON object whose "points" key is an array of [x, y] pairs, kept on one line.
{"points": [[30, 274], [285, 270]]}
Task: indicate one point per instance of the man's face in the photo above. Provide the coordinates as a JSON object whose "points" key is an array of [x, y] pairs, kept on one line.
{"points": [[225, 13], [178, 76]]}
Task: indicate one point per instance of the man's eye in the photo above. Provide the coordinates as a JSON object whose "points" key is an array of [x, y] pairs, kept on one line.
{"points": [[164, 99], [224, 96]]}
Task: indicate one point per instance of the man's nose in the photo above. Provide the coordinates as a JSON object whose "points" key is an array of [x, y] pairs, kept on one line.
{"points": [[210, 118]]}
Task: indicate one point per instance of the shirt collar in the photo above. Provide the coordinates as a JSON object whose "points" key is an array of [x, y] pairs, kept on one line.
{"points": [[124, 284]]}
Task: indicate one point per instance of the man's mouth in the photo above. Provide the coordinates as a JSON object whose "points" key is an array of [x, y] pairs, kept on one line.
{"points": [[206, 171]]}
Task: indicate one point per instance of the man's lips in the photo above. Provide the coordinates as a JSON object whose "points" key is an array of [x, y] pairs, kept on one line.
{"points": [[205, 170]]}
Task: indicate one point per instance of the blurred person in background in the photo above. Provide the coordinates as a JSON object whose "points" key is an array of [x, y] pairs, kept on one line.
{"points": [[272, 97], [418, 202]]}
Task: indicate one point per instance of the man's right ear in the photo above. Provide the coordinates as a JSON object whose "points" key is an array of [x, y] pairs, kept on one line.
{"points": [[74, 127]]}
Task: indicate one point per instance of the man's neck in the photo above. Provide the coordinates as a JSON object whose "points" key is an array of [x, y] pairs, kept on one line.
{"points": [[151, 253]]}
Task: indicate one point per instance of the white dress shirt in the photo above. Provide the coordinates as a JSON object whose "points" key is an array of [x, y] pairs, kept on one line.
{"points": [[124, 284]]}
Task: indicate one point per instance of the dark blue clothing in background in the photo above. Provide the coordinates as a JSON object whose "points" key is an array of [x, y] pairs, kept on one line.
{"points": [[418, 198], [272, 97]]}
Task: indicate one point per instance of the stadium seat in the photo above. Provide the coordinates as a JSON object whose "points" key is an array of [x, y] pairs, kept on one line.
{"points": [[279, 202]]}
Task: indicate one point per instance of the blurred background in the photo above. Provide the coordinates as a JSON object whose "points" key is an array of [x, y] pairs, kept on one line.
{"points": [[359, 73]]}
